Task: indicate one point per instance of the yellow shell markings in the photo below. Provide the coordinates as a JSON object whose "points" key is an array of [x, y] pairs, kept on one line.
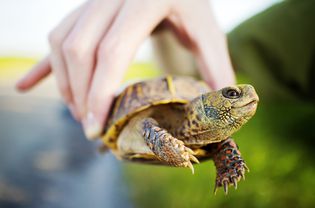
{"points": [[170, 85]]}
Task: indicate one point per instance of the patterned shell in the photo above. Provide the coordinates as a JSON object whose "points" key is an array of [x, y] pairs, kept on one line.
{"points": [[142, 95]]}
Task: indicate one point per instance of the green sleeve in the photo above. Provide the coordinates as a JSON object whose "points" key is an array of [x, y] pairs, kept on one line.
{"points": [[275, 50]]}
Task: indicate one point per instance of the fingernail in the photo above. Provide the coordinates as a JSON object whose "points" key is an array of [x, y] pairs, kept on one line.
{"points": [[92, 128]]}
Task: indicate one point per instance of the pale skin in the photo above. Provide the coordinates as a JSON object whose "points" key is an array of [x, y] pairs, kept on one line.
{"points": [[93, 46]]}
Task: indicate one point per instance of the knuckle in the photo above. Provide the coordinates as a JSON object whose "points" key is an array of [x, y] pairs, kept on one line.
{"points": [[108, 48], [55, 39], [75, 50], [69, 48]]}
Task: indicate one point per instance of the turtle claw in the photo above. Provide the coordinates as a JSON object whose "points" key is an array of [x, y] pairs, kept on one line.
{"points": [[242, 175], [186, 155], [189, 157], [215, 189], [234, 179], [191, 167], [246, 168], [230, 176], [180, 155], [193, 158], [226, 187], [190, 151]]}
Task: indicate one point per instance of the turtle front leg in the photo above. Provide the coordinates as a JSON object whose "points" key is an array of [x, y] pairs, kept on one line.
{"points": [[166, 147], [229, 164]]}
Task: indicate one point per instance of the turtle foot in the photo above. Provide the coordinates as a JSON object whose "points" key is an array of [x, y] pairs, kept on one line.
{"points": [[166, 147], [230, 165], [178, 154]]}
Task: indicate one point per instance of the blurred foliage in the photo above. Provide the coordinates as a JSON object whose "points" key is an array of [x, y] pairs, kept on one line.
{"points": [[13, 67]]}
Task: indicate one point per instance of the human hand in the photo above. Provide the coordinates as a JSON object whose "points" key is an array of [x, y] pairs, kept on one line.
{"points": [[93, 46]]}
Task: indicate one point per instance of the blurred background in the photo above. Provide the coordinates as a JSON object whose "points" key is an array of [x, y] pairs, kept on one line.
{"points": [[45, 161]]}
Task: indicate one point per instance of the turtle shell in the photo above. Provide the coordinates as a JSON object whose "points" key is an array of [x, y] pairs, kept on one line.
{"points": [[143, 95]]}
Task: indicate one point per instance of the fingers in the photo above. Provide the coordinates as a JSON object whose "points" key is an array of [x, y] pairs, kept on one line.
{"points": [[80, 46], [206, 41], [37, 73], [214, 61], [56, 58], [212, 54], [116, 50]]}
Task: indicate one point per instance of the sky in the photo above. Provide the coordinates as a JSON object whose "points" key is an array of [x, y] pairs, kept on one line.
{"points": [[24, 25]]}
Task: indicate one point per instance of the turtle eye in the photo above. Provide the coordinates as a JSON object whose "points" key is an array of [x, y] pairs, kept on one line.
{"points": [[231, 93]]}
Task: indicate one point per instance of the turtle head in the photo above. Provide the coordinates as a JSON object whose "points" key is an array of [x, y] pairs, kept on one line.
{"points": [[223, 112]]}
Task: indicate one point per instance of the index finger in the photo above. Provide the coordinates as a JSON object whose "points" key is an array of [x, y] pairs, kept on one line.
{"points": [[39, 72]]}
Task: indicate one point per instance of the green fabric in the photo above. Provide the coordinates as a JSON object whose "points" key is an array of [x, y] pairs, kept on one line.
{"points": [[276, 50]]}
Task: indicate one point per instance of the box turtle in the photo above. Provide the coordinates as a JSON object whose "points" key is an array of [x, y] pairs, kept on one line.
{"points": [[178, 121]]}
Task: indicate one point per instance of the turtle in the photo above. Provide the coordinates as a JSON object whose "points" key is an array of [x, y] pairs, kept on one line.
{"points": [[179, 121]]}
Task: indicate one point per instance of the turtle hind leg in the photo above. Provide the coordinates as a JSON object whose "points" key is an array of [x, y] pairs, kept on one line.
{"points": [[229, 164], [167, 148]]}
